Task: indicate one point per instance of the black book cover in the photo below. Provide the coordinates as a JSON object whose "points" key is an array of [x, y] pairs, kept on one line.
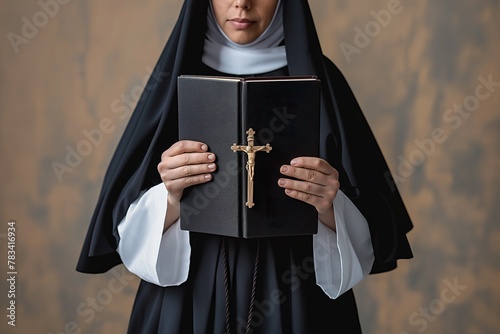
{"points": [[220, 111]]}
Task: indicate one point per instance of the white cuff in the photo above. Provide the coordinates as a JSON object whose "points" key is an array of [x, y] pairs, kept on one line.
{"points": [[156, 257], [343, 258]]}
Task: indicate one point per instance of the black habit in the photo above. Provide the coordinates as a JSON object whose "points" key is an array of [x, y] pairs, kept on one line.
{"points": [[287, 299]]}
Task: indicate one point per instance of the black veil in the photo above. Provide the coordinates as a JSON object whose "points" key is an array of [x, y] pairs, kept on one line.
{"points": [[347, 142]]}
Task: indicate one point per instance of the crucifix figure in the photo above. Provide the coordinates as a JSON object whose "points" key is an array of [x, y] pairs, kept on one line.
{"points": [[250, 150]]}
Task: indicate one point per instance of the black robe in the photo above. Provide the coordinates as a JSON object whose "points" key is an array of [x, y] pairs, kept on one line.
{"points": [[347, 143]]}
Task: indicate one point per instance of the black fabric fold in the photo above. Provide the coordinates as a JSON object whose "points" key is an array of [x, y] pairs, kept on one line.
{"points": [[288, 300]]}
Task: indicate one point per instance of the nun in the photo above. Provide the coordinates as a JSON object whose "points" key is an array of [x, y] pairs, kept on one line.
{"points": [[202, 283]]}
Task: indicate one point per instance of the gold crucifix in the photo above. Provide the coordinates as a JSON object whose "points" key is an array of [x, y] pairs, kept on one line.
{"points": [[250, 150]]}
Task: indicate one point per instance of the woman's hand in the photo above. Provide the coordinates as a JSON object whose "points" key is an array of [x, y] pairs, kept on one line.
{"points": [[315, 182], [184, 164]]}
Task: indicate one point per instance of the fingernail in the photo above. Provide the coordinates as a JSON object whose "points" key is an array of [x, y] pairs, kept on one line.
{"points": [[281, 182], [284, 169], [211, 166], [204, 147], [208, 176], [294, 162], [211, 156], [288, 191]]}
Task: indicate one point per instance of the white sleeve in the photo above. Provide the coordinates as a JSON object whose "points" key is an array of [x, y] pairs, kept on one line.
{"points": [[343, 258], [156, 257]]}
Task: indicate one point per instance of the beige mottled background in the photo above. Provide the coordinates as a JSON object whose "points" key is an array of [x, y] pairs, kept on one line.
{"points": [[69, 75]]}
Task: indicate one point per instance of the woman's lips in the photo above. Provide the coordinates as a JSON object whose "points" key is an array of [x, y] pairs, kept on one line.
{"points": [[240, 23]]}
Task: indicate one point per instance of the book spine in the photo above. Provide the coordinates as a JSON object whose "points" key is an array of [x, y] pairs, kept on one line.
{"points": [[243, 128]]}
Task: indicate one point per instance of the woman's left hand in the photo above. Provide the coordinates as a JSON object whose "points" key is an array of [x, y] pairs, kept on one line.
{"points": [[314, 181]]}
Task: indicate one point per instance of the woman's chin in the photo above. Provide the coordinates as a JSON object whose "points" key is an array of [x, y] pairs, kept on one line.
{"points": [[242, 38]]}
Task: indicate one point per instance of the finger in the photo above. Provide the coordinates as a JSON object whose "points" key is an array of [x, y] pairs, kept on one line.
{"points": [[186, 171], [321, 197], [178, 185], [185, 159], [186, 146], [313, 200], [304, 174], [321, 203], [314, 163], [303, 186]]}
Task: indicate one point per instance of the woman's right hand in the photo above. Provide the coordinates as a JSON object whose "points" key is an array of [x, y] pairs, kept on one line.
{"points": [[184, 164]]}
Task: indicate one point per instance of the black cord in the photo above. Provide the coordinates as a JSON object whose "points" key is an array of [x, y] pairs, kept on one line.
{"points": [[254, 289], [226, 286], [227, 292]]}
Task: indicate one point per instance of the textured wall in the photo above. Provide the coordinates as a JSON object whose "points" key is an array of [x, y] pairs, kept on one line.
{"points": [[417, 74]]}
